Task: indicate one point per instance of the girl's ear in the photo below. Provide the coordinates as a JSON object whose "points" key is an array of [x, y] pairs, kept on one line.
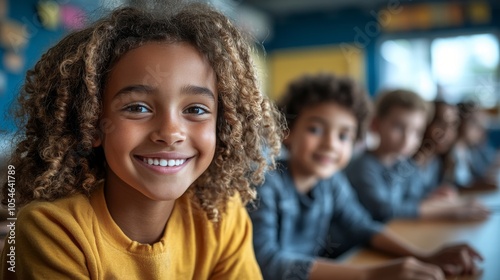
{"points": [[97, 139], [286, 138], [286, 141], [97, 142]]}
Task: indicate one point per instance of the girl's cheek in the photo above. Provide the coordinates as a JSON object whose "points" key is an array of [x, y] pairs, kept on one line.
{"points": [[206, 136]]}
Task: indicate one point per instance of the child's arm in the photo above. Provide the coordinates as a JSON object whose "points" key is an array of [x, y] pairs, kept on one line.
{"points": [[274, 262], [453, 210], [357, 223], [444, 191], [453, 260], [382, 200], [46, 247], [401, 269]]}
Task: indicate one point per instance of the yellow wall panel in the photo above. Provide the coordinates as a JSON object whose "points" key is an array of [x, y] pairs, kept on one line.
{"points": [[285, 65]]}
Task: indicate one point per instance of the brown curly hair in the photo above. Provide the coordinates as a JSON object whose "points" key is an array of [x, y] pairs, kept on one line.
{"points": [[61, 102], [310, 90]]}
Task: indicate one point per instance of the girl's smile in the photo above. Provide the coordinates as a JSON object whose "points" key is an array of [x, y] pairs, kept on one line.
{"points": [[164, 163]]}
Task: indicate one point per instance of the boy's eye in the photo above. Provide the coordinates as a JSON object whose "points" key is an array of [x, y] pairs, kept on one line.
{"points": [[196, 110], [315, 130], [399, 126], [346, 136], [137, 108]]}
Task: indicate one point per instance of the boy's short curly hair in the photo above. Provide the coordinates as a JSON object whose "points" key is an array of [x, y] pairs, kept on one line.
{"points": [[310, 90], [407, 99], [61, 102]]}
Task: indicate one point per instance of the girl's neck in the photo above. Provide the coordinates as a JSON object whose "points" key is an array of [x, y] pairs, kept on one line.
{"points": [[423, 156], [140, 218], [303, 182], [387, 158]]}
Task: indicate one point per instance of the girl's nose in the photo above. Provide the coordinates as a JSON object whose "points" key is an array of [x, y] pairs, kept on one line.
{"points": [[168, 131]]}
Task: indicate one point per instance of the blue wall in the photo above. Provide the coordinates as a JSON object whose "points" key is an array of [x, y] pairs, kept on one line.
{"points": [[40, 40]]}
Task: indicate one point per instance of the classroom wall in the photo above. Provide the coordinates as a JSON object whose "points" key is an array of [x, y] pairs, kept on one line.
{"points": [[39, 40], [357, 27]]}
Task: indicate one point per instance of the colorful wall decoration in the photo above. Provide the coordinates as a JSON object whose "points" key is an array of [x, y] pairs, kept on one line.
{"points": [[28, 28], [424, 16]]}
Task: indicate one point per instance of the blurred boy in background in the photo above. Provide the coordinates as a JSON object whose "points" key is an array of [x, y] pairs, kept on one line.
{"points": [[473, 157], [386, 179]]}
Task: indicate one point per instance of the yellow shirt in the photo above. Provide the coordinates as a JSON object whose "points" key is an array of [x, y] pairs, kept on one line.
{"points": [[76, 238]]}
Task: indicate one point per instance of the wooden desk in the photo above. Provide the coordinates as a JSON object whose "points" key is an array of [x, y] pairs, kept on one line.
{"points": [[429, 235]]}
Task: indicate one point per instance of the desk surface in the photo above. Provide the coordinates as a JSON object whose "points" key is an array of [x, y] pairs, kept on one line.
{"points": [[484, 236]]}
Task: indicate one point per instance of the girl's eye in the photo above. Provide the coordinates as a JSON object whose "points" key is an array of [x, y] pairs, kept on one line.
{"points": [[399, 127], [345, 136], [196, 110], [315, 130], [137, 108]]}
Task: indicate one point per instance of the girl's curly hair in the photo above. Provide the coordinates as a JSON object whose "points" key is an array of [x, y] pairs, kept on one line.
{"points": [[61, 102], [310, 90]]}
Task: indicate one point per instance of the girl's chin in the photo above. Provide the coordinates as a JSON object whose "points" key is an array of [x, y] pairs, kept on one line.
{"points": [[325, 174]]}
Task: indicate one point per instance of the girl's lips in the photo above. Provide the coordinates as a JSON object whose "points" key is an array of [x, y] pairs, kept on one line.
{"points": [[165, 155], [324, 159]]}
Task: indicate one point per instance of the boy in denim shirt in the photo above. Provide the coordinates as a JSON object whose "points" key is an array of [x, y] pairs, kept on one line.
{"points": [[473, 157], [388, 182], [306, 206]]}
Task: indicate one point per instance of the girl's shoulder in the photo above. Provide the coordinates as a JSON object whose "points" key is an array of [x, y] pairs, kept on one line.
{"points": [[75, 200], [73, 208]]}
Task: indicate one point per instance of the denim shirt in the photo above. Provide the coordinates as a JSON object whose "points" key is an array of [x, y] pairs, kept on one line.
{"points": [[386, 192], [291, 229], [482, 157], [432, 173]]}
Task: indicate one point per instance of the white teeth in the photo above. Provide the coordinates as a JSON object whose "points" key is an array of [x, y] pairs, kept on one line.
{"points": [[164, 162]]}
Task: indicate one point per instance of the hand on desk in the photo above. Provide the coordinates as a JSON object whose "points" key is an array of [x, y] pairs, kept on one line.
{"points": [[405, 269], [457, 259], [444, 192], [456, 210], [453, 260]]}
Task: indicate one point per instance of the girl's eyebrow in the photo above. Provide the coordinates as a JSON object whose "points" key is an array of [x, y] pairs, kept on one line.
{"points": [[317, 119], [197, 90], [325, 122], [134, 89], [189, 89]]}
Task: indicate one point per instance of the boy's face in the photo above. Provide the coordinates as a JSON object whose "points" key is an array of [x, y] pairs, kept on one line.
{"points": [[159, 120], [321, 140], [400, 131], [472, 129]]}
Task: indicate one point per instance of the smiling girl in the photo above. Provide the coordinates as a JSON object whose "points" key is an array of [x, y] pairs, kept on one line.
{"points": [[144, 135]]}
